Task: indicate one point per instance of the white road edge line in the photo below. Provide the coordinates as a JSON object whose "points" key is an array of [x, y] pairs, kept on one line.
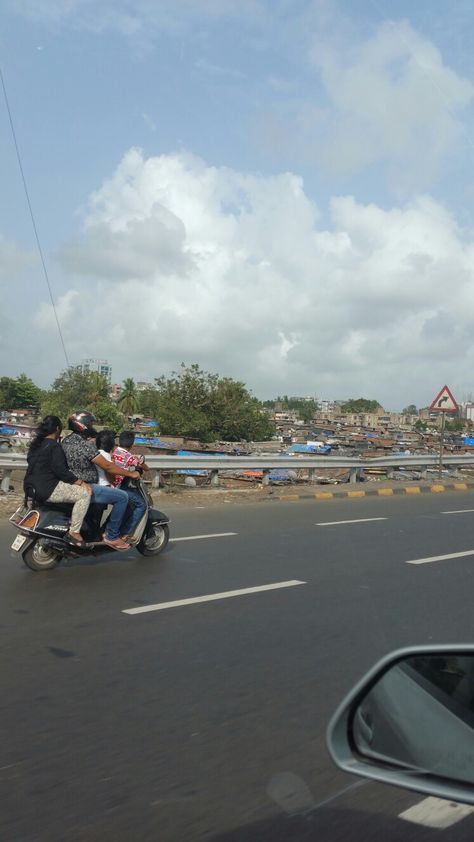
{"points": [[360, 520], [440, 557], [197, 537], [436, 813], [457, 512], [161, 606]]}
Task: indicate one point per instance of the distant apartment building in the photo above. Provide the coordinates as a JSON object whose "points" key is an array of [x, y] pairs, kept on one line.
{"points": [[142, 385], [325, 405], [101, 367], [288, 416], [370, 419], [389, 418], [467, 410]]}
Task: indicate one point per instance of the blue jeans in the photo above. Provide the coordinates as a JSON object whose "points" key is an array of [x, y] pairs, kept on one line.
{"points": [[105, 494], [139, 507]]}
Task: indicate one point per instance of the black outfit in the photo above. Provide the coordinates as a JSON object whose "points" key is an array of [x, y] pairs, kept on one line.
{"points": [[46, 467]]}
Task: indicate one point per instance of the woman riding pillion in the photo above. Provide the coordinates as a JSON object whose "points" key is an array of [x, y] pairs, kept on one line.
{"points": [[84, 459], [48, 478]]}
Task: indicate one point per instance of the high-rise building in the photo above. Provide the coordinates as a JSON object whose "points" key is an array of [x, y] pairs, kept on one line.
{"points": [[101, 367]]}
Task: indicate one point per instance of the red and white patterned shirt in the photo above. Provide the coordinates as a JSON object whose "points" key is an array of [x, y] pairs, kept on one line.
{"points": [[126, 460]]}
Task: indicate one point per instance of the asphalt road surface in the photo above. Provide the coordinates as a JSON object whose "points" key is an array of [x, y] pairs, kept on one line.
{"points": [[206, 720]]}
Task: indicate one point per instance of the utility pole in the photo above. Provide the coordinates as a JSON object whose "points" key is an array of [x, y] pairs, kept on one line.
{"points": [[443, 402], [441, 444]]}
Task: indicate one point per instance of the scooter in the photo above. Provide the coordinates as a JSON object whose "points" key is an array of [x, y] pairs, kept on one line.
{"points": [[42, 539]]}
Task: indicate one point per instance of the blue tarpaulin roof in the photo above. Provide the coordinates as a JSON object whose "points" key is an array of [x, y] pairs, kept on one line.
{"points": [[151, 440], [196, 471], [309, 448]]}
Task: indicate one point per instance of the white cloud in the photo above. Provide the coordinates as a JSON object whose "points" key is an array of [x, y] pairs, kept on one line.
{"points": [[13, 260], [392, 100], [250, 283], [67, 307]]}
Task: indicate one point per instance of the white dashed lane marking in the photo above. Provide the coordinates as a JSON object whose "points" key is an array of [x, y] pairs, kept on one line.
{"points": [[432, 558], [360, 520], [198, 537], [161, 606], [436, 813], [458, 512]]}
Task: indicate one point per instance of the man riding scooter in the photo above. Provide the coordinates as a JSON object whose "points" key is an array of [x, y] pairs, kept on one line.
{"points": [[83, 459]]}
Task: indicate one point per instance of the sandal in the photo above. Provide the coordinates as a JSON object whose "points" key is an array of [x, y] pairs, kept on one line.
{"points": [[116, 543], [75, 541]]}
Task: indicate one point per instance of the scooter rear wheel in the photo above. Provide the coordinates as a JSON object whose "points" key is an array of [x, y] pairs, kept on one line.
{"points": [[38, 557], [156, 541]]}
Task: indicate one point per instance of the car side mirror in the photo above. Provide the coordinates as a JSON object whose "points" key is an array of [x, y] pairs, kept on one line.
{"points": [[410, 723]]}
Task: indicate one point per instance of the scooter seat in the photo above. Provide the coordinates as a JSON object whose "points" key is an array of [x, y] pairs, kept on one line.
{"points": [[56, 507]]}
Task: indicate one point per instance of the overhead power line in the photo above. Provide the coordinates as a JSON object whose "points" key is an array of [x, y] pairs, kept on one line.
{"points": [[33, 221]]}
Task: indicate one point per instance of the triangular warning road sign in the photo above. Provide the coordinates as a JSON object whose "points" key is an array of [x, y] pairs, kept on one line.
{"points": [[444, 402]]}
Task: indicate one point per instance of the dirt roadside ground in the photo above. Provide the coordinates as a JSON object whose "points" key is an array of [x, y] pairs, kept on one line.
{"points": [[180, 498], [177, 497]]}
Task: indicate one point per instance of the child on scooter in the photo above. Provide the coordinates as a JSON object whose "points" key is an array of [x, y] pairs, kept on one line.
{"points": [[123, 457]]}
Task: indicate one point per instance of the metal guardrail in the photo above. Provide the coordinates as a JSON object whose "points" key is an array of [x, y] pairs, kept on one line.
{"points": [[314, 464]]}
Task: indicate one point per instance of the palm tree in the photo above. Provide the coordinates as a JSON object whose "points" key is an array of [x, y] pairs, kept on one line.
{"points": [[128, 399]]}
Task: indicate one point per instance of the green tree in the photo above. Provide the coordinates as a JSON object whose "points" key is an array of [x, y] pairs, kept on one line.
{"points": [[410, 409], [236, 414], [147, 402], [307, 410], [19, 393], [98, 391], [181, 403], [360, 405], [305, 407], [196, 404], [108, 415], [73, 390], [26, 393], [421, 426], [455, 426], [128, 399], [7, 385]]}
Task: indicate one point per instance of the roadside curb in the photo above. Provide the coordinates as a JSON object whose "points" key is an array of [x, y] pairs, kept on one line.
{"points": [[406, 490]]}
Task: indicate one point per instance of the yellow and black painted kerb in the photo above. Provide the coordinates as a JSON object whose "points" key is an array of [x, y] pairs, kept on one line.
{"points": [[406, 490]]}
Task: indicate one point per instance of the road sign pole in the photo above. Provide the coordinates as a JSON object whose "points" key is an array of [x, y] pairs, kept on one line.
{"points": [[441, 445]]}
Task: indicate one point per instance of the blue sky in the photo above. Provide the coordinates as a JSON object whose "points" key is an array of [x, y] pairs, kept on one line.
{"points": [[297, 208]]}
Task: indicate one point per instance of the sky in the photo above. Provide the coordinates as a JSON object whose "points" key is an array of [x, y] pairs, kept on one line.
{"points": [[279, 190]]}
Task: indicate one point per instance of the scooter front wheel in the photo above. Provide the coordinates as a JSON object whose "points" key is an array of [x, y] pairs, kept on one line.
{"points": [[40, 557], [155, 541]]}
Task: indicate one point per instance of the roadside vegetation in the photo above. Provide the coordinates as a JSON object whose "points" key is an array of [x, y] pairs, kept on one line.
{"points": [[190, 402]]}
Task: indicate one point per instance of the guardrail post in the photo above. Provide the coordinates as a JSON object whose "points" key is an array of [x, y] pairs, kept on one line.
{"points": [[155, 483], [353, 474], [311, 474], [266, 477], [5, 484], [215, 479]]}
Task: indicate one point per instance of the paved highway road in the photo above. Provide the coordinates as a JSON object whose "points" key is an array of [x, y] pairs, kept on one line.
{"points": [[206, 720]]}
